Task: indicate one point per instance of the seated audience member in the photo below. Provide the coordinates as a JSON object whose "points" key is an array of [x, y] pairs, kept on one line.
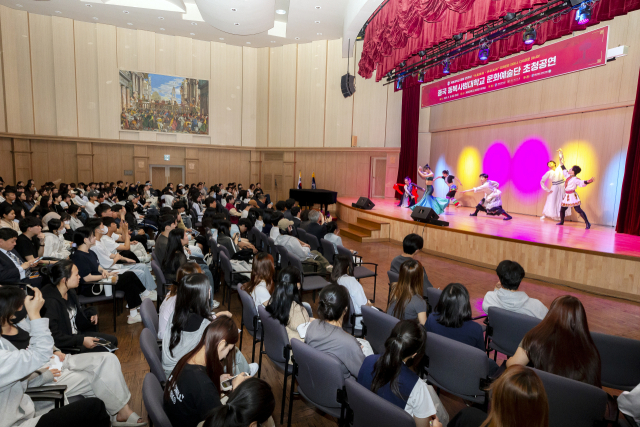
{"points": [[295, 213], [250, 404], [281, 206], [261, 285], [191, 316], [91, 272], [407, 302], [342, 275], [561, 344], [30, 244], [274, 232], [224, 237], [304, 219], [27, 202], [72, 326], [629, 403], [506, 294], [121, 244], [194, 388], [175, 256], [75, 222], [317, 227], [54, 243], [302, 251], [333, 235], [411, 245], [285, 304], [168, 306], [326, 333], [234, 215], [263, 203], [167, 223], [17, 369], [388, 374], [8, 220], [56, 205], [92, 204], [518, 399], [451, 317], [13, 267], [288, 205]]}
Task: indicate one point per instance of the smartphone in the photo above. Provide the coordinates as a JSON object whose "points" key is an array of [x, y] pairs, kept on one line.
{"points": [[35, 261], [28, 289], [102, 341], [226, 385]]}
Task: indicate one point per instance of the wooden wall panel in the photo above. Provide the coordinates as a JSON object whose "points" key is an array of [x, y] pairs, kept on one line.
{"points": [[108, 82], [394, 118], [339, 110], [282, 96], [6, 161], [64, 64], [165, 54], [249, 96], [310, 94], [16, 64], [226, 94], [262, 98], [184, 57], [146, 51], [43, 75], [201, 59], [87, 79], [631, 62], [369, 110], [127, 45]]}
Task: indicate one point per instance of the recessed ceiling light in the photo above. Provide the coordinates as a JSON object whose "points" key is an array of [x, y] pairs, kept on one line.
{"points": [[273, 41], [281, 11], [319, 34], [89, 5], [297, 38], [161, 29], [129, 23], [57, 11], [221, 38], [125, 11], [19, 5], [317, 22], [95, 18], [248, 42], [236, 23], [318, 7], [193, 34], [233, 9], [194, 23], [160, 18]]}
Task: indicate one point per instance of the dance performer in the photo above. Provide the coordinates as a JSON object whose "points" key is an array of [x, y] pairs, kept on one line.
{"points": [[409, 192], [491, 203], [556, 192], [571, 198], [437, 204], [453, 188]]}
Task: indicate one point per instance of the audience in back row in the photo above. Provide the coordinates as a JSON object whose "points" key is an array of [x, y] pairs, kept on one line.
{"points": [[411, 246], [406, 301]]}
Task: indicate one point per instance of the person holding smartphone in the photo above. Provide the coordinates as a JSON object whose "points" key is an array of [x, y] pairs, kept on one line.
{"points": [[13, 268]]}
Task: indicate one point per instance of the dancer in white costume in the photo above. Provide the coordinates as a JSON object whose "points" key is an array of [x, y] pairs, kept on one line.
{"points": [[556, 192]]}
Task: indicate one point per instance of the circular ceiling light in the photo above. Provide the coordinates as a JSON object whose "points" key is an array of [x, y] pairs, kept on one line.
{"points": [[160, 18], [319, 34], [129, 23], [95, 18], [317, 22], [281, 11], [248, 42], [318, 7], [273, 41], [19, 5], [233, 9], [297, 38], [89, 5], [193, 34], [58, 11], [161, 29], [125, 11], [221, 38], [236, 23], [194, 23]]}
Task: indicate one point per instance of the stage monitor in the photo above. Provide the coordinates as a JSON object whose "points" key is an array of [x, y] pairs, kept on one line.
{"points": [[427, 215], [364, 203]]}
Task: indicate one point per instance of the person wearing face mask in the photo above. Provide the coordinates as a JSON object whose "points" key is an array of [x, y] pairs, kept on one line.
{"points": [[91, 272], [89, 375], [54, 243]]}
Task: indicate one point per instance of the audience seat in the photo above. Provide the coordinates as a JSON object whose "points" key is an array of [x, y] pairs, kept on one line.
{"points": [[432, 297], [149, 316], [393, 278], [227, 273], [620, 361], [160, 282], [506, 329], [328, 250], [310, 281], [370, 410], [361, 272], [378, 327], [250, 320], [151, 351], [153, 397], [116, 295]]}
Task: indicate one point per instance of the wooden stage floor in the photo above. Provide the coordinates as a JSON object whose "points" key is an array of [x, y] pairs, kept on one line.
{"points": [[524, 228]]}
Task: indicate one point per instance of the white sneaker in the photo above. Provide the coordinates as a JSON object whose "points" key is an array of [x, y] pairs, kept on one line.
{"points": [[215, 304], [134, 319], [542, 218], [253, 369], [153, 296]]}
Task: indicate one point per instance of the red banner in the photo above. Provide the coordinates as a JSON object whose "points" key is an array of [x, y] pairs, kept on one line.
{"points": [[577, 53]]}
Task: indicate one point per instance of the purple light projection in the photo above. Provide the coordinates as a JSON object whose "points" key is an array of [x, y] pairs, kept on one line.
{"points": [[497, 162], [529, 164]]}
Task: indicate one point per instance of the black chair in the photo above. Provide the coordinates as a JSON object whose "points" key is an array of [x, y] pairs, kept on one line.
{"points": [[620, 359], [153, 397], [432, 297], [227, 272], [320, 380], [458, 368], [393, 278], [328, 250], [149, 316], [313, 242], [48, 393], [573, 403], [271, 245], [506, 329], [367, 409], [151, 351], [302, 235], [276, 345], [310, 281], [378, 327], [115, 296], [281, 257], [360, 272], [161, 282], [351, 320], [194, 218], [250, 320]]}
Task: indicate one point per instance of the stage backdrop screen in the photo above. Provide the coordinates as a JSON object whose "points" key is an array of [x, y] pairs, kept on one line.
{"points": [[159, 103], [577, 53]]}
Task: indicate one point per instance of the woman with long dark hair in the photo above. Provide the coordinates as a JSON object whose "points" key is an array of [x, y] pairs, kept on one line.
{"points": [[518, 399], [326, 333], [169, 304], [250, 405], [174, 257], [561, 344], [9, 214], [388, 374], [261, 285], [406, 302], [194, 387], [342, 274], [55, 205], [45, 205], [285, 304], [451, 317]]}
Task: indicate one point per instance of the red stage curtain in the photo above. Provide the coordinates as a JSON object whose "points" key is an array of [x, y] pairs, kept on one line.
{"points": [[629, 215], [409, 134]]}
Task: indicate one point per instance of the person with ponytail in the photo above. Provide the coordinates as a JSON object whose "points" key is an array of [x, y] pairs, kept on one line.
{"points": [[261, 285], [389, 376], [285, 304], [407, 302], [174, 257], [518, 398], [91, 272], [342, 274], [194, 387], [326, 333], [249, 405], [88, 375]]}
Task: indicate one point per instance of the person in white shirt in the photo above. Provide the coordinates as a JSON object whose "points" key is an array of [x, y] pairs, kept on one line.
{"points": [[92, 204], [55, 246], [261, 284], [342, 274], [301, 250], [74, 221], [506, 294], [491, 203], [197, 207]]}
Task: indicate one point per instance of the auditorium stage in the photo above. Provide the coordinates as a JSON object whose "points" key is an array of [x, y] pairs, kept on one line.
{"points": [[598, 260]]}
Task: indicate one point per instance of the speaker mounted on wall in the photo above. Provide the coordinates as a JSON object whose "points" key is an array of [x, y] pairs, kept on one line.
{"points": [[364, 203], [348, 85], [428, 216]]}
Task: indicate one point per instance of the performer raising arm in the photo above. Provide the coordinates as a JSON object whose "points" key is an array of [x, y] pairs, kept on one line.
{"points": [[556, 192], [437, 204], [409, 192], [453, 188], [491, 203], [571, 198]]}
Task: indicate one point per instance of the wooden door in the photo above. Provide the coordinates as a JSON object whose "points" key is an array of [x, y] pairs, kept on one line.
{"points": [[175, 176], [158, 177], [378, 176]]}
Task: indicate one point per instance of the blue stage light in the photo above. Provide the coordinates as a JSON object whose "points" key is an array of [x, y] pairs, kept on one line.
{"points": [[483, 54], [529, 35], [583, 15], [446, 65]]}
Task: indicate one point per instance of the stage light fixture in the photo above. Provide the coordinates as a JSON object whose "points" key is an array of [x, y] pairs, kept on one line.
{"points": [[483, 53], [510, 17], [422, 53], [402, 64], [583, 15], [399, 83], [529, 35], [458, 37], [446, 66], [422, 75]]}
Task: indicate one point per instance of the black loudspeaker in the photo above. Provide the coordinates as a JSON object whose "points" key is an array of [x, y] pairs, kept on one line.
{"points": [[364, 203], [348, 85], [427, 215]]}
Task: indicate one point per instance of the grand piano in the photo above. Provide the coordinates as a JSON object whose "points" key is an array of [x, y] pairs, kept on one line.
{"points": [[309, 197]]}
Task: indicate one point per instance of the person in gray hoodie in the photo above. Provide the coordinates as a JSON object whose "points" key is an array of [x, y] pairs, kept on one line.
{"points": [[16, 374], [506, 294]]}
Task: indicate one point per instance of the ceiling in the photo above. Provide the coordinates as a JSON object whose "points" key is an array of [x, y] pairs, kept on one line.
{"points": [[303, 22]]}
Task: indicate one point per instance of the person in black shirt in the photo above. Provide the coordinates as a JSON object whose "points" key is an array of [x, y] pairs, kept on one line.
{"points": [[252, 402], [194, 387], [30, 244]]}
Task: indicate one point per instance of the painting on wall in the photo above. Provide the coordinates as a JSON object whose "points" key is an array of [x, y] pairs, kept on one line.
{"points": [[159, 103]]}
